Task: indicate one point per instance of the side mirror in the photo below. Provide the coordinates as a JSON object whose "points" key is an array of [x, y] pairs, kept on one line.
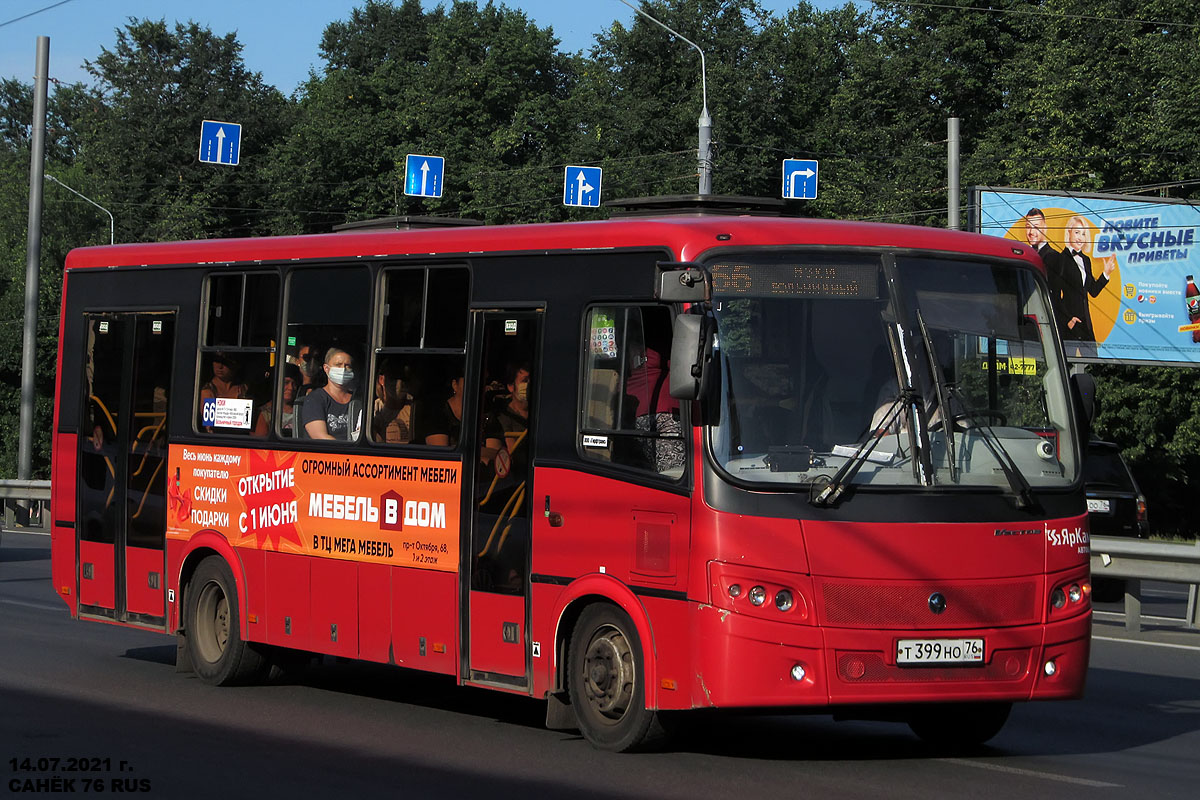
{"points": [[691, 350], [1083, 393], [682, 282]]}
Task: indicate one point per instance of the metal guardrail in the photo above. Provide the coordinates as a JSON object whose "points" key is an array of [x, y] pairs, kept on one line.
{"points": [[26, 506], [1135, 560]]}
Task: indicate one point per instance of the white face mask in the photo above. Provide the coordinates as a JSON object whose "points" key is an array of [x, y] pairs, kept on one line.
{"points": [[342, 376]]}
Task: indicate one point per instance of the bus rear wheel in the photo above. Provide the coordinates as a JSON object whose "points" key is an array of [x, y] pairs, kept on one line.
{"points": [[959, 725], [214, 640], [607, 682]]}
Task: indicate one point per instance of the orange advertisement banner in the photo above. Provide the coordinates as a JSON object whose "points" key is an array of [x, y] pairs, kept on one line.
{"points": [[403, 512]]}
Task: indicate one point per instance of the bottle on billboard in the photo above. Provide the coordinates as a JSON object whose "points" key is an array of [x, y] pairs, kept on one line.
{"points": [[1192, 296]]}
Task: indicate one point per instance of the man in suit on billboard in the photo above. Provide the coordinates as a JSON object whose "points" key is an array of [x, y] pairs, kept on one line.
{"points": [[1035, 235]]}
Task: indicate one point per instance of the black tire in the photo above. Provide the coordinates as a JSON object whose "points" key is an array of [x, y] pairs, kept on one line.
{"points": [[959, 725], [607, 682], [213, 628]]}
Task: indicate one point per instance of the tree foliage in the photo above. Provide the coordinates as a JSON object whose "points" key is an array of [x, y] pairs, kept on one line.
{"points": [[480, 86], [157, 84], [1101, 95]]}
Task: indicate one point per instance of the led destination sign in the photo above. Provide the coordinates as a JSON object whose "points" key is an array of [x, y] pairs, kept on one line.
{"points": [[845, 281]]}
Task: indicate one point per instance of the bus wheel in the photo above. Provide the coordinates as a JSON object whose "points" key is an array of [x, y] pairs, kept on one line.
{"points": [[958, 725], [214, 640], [607, 682]]}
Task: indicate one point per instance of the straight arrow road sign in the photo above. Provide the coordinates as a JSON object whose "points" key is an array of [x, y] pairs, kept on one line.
{"points": [[423, 175], [220, 142]]}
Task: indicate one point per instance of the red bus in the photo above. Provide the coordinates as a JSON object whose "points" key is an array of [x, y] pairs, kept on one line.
{"points": [[662, 462]]}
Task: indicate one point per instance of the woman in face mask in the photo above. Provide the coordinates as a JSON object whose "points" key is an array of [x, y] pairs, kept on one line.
{"points": [[327, 412]]}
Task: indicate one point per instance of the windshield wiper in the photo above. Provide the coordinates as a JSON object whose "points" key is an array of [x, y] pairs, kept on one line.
{"points": [[1022, 491], [850, 467], [943, 397]]}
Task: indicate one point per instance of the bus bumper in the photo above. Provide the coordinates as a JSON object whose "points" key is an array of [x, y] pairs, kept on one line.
{"points": [[746, 662]]}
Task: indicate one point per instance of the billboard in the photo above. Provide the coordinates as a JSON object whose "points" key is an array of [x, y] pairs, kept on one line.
{"points": [[403, 512], [1122, 270]]}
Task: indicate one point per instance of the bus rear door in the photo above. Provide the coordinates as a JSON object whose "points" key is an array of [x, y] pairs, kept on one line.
{"points": [[121, 522]]}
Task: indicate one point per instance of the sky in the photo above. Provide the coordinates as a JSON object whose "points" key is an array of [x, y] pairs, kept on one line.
{"points": [[279, 37]]}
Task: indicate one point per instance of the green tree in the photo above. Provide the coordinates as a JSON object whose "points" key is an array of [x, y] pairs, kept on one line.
{"points": [[1154, 414], [641, 95], [66, 222], [480, 86], [157, 85]]}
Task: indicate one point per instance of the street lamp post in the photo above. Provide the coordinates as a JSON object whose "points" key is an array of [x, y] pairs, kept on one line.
{"points": [[112, 226], [705, 124]]}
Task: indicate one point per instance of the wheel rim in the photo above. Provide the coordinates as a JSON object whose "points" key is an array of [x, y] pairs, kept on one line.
{"points": [[609, 673], [212, 622]]}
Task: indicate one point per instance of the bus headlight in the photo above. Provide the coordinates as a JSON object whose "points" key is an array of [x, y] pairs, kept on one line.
{"points": [[758, 596], [783, 600]]}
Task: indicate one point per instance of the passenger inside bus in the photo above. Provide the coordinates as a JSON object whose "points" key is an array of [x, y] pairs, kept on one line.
{"points": [[656, 412], [500, 562], [292, 381], [306, 360], [224, 381], [330, 412], [392, 415], [441, 423], [511, 424], [441, 419]]}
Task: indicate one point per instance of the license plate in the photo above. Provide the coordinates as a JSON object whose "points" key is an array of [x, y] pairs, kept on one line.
{"points": [[1099, 506], [939, 651]]}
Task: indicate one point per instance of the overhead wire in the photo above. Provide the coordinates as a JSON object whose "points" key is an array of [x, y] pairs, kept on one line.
{"points": [[34, 13]]}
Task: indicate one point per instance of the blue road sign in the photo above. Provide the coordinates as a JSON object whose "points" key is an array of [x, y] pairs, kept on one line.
{"points": [[581, 186], [799, 179], [423, 175], [220, 142]]}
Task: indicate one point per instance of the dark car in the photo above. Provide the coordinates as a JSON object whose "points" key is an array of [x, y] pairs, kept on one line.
{"points": [[1115, 504]]}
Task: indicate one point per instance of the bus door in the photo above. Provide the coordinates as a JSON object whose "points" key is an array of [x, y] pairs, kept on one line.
{"points": [[498, 559], [122, 509]]}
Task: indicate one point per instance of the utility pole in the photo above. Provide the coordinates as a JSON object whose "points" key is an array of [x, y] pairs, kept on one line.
{"points": [[704, 151], [37, 165], [952, 166]]}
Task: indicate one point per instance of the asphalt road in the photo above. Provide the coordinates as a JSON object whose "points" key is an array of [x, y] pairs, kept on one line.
{"points": [[109, 698]]}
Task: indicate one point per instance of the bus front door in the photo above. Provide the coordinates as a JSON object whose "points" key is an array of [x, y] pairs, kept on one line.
{"points": [[121, 522], [497, 583]]}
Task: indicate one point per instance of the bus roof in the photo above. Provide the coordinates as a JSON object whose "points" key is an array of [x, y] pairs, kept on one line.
{"points": [[689, 236]]}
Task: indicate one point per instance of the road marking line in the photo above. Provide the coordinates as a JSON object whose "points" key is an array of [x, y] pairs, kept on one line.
{"points": [[1148, 644], [1031, 773]]}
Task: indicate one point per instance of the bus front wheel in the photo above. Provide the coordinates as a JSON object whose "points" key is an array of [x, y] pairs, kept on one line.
{"points": [[959, 724], [214, 640], [607, 682]]}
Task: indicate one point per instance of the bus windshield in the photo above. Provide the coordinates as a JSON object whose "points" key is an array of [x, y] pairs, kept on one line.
{"points": [[882, 370]]}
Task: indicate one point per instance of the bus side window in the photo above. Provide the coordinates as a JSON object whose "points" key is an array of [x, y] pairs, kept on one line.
{"points": [[628, 415], [419, 372], [238, 352], [327, 312]]}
